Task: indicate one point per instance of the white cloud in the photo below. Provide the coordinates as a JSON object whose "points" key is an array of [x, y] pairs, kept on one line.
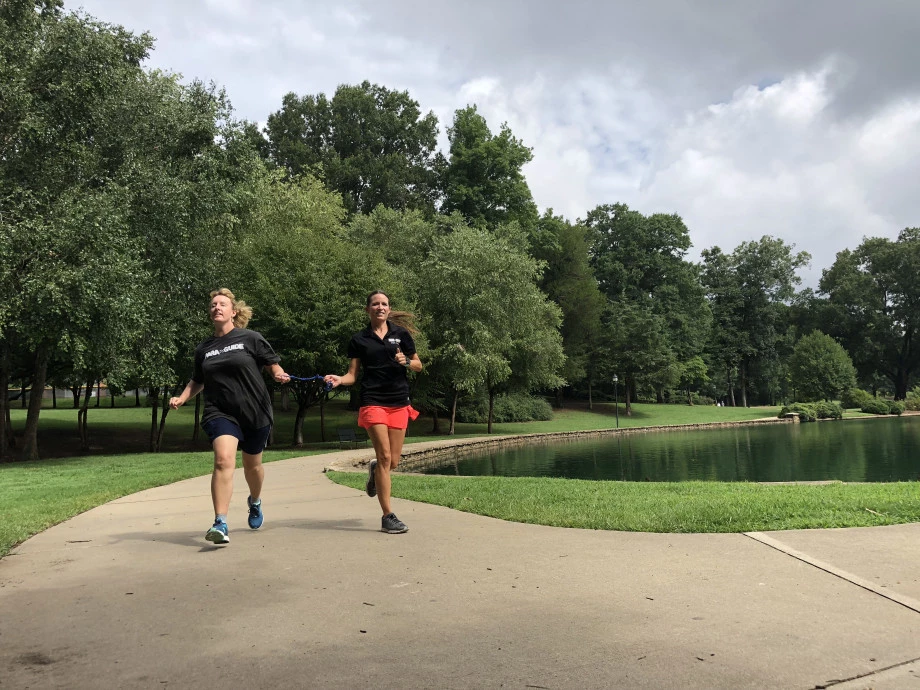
{"points": [[778, 161], [798, 120]]}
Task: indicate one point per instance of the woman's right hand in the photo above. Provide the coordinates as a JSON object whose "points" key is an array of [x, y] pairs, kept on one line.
{"points": [[333, 380], [176, 403]]}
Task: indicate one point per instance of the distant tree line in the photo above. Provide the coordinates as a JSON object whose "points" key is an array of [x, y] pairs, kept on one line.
{"points": [[126, 196]]}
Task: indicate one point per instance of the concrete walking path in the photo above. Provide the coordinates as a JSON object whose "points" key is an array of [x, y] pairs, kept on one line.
{"points": [[129, 595]]}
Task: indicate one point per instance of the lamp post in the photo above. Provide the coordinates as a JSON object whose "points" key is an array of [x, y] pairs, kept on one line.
{"points": [[616, 400]]}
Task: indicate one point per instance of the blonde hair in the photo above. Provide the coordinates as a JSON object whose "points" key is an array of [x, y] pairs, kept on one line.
{"points": [[243, 310], [403, 319]]}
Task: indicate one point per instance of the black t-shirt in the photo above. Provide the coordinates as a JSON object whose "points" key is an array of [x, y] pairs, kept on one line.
{"points": [[384, 380], [230, 367]]}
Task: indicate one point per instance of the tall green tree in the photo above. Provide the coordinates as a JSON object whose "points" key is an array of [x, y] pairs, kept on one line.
{"points": [[371, 144], [640, 265], [307, 284], [569, 281], [63, 229], [483, 177], [821, 368], [874, 307], [748, 290], [121, 191], [487, 312]]}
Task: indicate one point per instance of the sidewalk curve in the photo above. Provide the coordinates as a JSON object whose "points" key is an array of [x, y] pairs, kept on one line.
{"points": [[129, 595]]}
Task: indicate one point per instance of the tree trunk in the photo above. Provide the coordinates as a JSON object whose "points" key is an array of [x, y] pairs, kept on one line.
{"points": [[322, 419], [81, 418], [285, 399], [30, 435], [137, 397], [165, 411], [491, 411], [627, 391], [98, 391], [560, 399], [731, 387], [900, 384], [53, 397], [590, 395], [435, 421], [453, 414], [154, 395], [111, 398], [689, 397], [298, 424], [742, 380], [6, 431], [659, 396], [197, 427], [77, 393]]}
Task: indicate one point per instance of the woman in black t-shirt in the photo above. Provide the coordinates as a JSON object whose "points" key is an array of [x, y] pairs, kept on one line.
{"points": [[385, 349], [237, 407]]}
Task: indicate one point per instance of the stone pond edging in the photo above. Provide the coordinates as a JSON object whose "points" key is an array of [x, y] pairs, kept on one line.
{"points": [[419, 456]]}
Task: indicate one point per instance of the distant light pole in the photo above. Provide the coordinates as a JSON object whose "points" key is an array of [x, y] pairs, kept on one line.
{"points": [[616, 400]]}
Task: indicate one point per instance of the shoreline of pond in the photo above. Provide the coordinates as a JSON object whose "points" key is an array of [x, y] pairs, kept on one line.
{"points": [[417, 457]]}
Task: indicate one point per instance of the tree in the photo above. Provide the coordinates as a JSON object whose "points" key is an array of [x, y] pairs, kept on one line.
{"points": [[111, 178], [66, 256], [640, 265], [483, 179], [569, 281], [306, 283], [874, 305], [821, 368], [370, 144], [747, 290], [486, 312]]}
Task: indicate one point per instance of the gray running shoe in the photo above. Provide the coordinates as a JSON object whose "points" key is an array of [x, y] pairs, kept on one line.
{"points": [[392, 524], [371, 486]]}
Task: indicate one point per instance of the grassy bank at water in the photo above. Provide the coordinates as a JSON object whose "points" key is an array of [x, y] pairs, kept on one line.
{"points": [[659, 506]]}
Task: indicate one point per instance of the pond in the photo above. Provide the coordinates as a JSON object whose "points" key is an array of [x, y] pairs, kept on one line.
{"points": [[861, 450]]}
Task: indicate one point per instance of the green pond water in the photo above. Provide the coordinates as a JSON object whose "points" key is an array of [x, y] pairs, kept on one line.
{"points": [[859, 450]]}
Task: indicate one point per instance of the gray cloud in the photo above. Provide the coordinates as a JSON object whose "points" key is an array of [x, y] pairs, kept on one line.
{"points": [[796, 119]]}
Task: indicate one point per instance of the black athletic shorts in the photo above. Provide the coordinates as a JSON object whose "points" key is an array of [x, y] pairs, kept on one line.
{"points": [[252, 441]]}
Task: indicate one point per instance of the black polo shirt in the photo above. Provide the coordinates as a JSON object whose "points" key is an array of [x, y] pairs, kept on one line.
{"points": [[384, 380]]}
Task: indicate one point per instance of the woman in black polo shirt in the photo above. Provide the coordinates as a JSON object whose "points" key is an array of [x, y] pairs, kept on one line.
{"points": [[385, 349], [237, 404]]}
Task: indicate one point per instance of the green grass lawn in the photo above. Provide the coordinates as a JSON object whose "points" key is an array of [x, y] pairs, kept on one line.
{"points": [[661, 506], [35, 496]]}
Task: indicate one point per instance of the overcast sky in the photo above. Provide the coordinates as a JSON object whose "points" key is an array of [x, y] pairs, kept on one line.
{"points": [[794, 118]]}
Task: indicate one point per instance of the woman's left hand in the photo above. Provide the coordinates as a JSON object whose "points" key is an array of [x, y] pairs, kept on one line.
{"points": [[281, 377], [401, 358]]}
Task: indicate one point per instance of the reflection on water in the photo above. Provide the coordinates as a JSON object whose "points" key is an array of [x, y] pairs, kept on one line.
{"points": [[872, 450]]}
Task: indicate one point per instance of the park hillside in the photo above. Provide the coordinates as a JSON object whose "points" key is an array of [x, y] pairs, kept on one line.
{"points": [[128, 194]]}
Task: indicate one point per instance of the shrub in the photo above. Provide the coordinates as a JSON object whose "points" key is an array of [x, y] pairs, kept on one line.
{"points": [[855, 397], [805, 411], [896, 408], [508, 408], [875, 406], [913, 399], [828, 410], [700, 399]]}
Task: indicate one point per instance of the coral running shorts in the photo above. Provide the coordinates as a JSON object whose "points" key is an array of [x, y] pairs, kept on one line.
{"points": [[393, 417]]}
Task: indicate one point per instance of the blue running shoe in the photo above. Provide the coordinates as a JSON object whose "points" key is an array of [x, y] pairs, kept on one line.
{"points": [[255, 513], [219, 533]]}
